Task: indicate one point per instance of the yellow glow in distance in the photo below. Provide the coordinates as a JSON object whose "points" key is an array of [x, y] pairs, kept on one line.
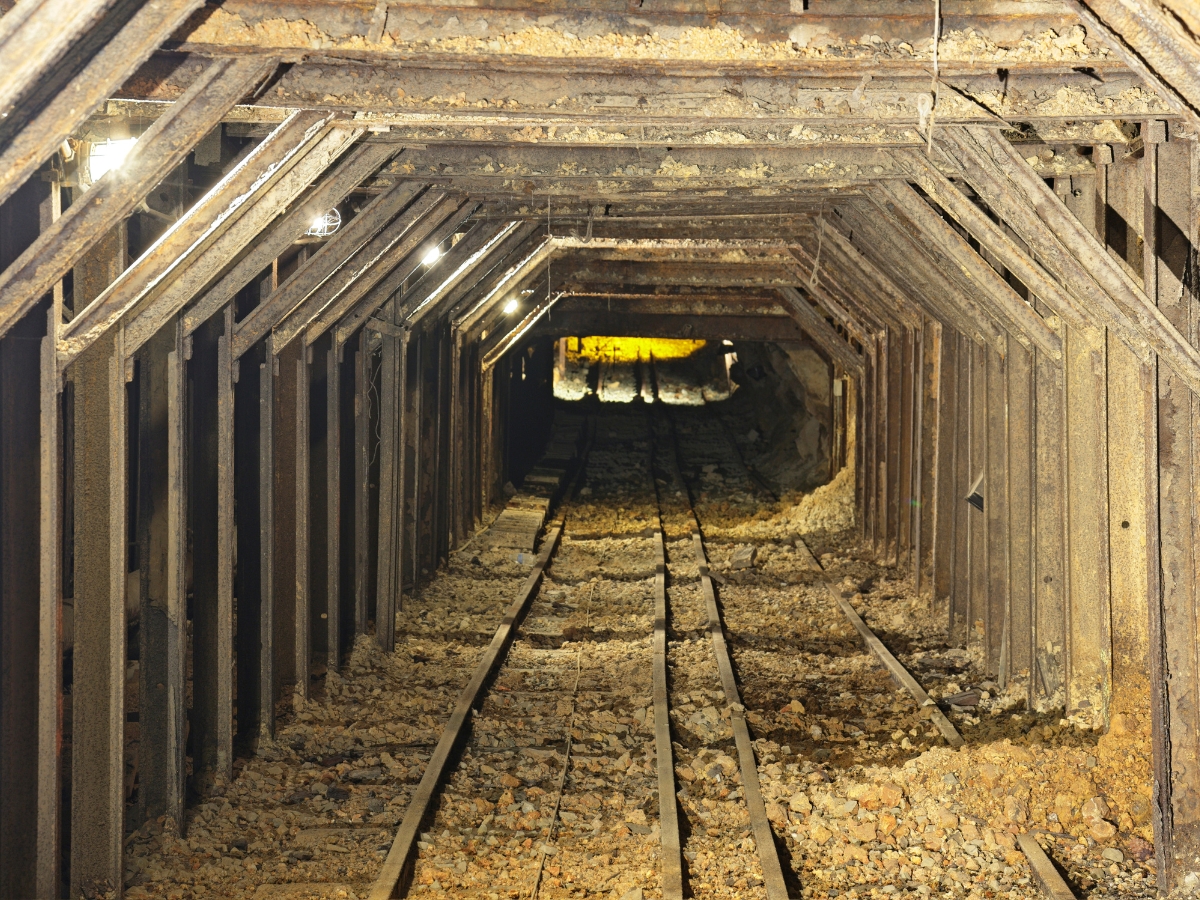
{"points": [[630, 349]]}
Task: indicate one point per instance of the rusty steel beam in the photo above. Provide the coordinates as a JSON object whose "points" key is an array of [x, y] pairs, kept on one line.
{"points": [[32, 137], [113, 198], [868, 278], [499, 344], [270, 245]]}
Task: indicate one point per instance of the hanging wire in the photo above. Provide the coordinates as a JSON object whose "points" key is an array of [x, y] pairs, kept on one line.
{"points": [[936, 86]]}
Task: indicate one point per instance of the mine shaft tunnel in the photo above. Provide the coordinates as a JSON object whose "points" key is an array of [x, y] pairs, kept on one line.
{"points": [[328, 330]]}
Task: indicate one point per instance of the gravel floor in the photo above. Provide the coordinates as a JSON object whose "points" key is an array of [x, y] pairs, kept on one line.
{"points": [[556, 788]]}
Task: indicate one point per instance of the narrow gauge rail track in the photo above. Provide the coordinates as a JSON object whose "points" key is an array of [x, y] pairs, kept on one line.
{"points": [[566, 784], [609, 745]]}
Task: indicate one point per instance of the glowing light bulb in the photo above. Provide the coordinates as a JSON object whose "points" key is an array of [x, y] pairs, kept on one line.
{"points": [[510, 307], [431, 257], [108, 156], [325, 224]]}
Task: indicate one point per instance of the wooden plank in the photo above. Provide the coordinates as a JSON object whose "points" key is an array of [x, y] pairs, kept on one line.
{"points": [[400, 854], [162, 148], [1044, 873], [764, 837], [664, 753], [900, 675]]}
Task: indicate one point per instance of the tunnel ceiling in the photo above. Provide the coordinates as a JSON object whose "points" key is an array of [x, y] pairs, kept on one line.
{"points": [[795, 168]]}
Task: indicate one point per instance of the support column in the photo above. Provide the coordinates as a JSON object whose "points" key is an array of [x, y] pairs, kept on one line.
{"points": [[389, 401], [960, 596], [1089, 616], [362, 479], [995, 508], [98, 690], [1175, 671], [162, 527], [211, 507], [29, 603], [333, 506], [300, 448], [1019, 645], [946, 442], [977, 521]]}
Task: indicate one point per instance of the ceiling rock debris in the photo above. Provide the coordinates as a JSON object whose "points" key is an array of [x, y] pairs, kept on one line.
{"points": [[618, 448]]}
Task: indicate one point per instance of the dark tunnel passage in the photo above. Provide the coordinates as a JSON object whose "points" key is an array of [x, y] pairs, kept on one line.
{"points": [[620, 450]]}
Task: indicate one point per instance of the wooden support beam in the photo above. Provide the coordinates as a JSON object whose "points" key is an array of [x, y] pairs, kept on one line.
{"points": [[1017, 650], [388, 587], [29, 502], [995, 508], [943, 536], [945, 245], [1153, 43], [362, 482], [960, 597], [201, 269], [276, 239], [110, 200], [35, 35], [31, 139], [333, 507], [842, 247], [321, 265], [458, 267], [824, 287], [822, 332], [399, 241], [439, 225], [893, 247], [98, 708], [1082, 258], [358, 273], [301, 450], [992, 236], [496, 346], [173, 255]]}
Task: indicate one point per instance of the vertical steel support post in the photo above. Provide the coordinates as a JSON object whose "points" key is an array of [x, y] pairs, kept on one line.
{"points": [[977, 521], [266, 542], [909, 385], [386, 585]]}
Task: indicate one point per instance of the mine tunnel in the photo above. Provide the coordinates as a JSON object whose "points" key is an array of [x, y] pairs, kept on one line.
{"points": [[623, 450]]}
